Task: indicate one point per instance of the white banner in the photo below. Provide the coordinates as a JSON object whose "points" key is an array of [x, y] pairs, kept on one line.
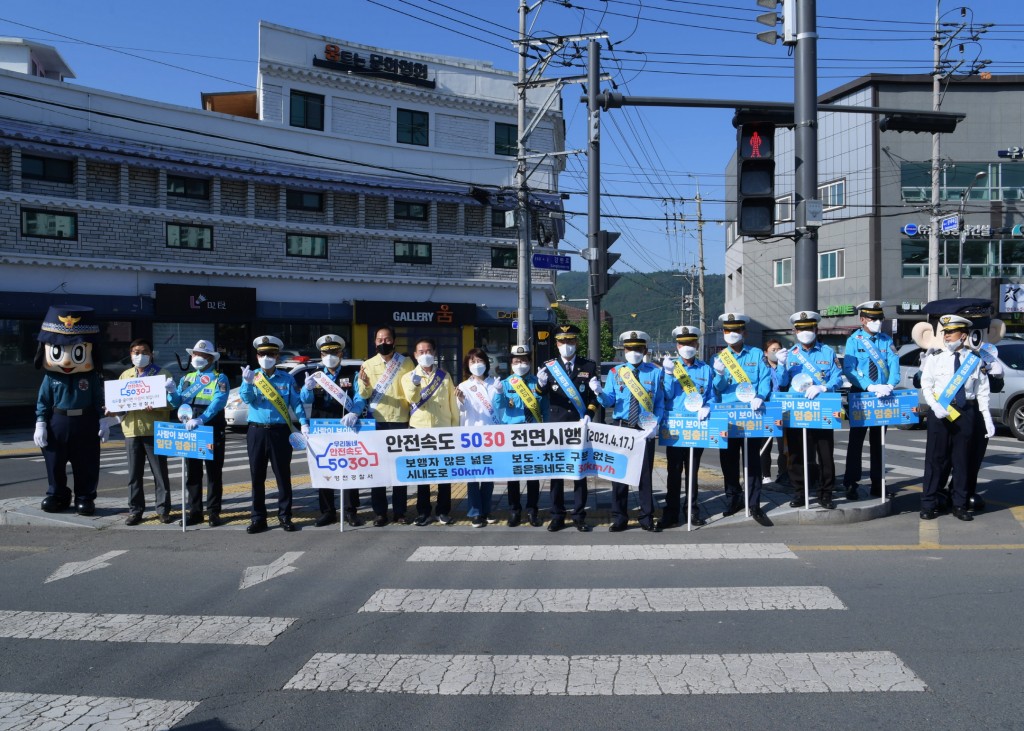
{"points": [[343, 460], [133, 394]]}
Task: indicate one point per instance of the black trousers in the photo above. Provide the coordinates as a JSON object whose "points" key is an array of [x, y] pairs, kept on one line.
{"points": [[444, 499], [820, 442], [328, 500], [580, 493], [645, 490], [532, 495], [765, 454], [732, 465], [141, 450], [855, 456], [73, 439], [950, 444], [399, 493], [270, 444], [214, 473], [679, 465]]}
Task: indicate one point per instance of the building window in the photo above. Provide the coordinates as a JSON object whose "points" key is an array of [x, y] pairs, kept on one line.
{"points": [[832, 195], [180, 236], [49, 225], [53, 169], [181, 187], [301, 200], [784, 208], [307, 110], [783, 272], [312, 247], [413, 127], [502, 219], [506, 140], [412, 252], [914, 255], [504, 258], [832, 264], [406, 211]]}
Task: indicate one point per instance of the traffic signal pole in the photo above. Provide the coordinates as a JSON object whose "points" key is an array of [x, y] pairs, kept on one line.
{"points": [[594, 201], [805, 115]]}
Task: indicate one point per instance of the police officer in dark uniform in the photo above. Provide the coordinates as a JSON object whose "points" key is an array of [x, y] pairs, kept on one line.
{"points": [[555, 379], [206, 390], [325, 406]]}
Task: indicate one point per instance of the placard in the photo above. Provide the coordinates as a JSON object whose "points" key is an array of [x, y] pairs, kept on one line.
{"points": [[745, 422], [174, 440], [868, 409], [135, 394], [810, 413], [684, 429], [328, 426]]}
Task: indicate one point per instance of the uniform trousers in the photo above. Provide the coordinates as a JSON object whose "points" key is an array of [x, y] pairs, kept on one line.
{"points": [[73, 439], [645, 491], [731, 466], [399, 493], [214, 472], [949, 445], [444, 499], [679, 465], [328, 500], [532, 495], [580, 493], [270, 442], [820, 442], [855, 457], [765, 453], [141, 450]]}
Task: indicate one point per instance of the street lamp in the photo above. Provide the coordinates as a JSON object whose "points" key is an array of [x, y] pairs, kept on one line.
{"points": [[963, 230]]}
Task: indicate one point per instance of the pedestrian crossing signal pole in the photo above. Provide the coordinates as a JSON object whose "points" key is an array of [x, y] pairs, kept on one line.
{"points": [[594, 203], [525, 331]]}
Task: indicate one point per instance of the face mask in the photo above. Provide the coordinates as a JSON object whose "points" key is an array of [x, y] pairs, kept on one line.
{"points": [[773, 356], [806, 337], [955, 345], [426, 360], [331, 361], [567, 351], [266, 362], [634, 358], [732, 338], [686, 351], [478, 369], [874, 326], [200, 363], [521, 369], [385, 348], [140, 360]]}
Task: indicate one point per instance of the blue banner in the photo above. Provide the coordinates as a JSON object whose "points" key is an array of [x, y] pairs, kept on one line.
{"points": [[324, 426], [745, 422], [686, 430], [867, 409], [174, 440], [810, 413]]}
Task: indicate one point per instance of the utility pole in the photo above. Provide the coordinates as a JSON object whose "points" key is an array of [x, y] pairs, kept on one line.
{"points": [[702, 322], [805, 115], [524, 335], [593, 198]]}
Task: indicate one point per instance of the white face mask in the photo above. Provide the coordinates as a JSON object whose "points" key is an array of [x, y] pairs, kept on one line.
{"points": [[733, 338], [955, 345], [566, 350], [874, 326], [634, 358], [200, 363], [331, 361], [686, 351], [521, 369], [772, 356], [266, 361], [478, 369], [426, 360], [806, 337], [140, 360]]}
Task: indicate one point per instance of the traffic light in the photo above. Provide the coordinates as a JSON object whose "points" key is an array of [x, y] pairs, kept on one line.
{"points": [[603, 281], [918, 122], [755, 179]]}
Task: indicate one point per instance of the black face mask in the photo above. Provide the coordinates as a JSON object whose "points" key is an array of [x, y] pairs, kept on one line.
{"points": [[385, 348]]}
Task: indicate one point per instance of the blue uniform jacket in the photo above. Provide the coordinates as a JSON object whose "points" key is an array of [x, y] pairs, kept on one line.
{"points": [[751, 360], [702, 376], [822, 357], [856, 362], [324, 403], [261, 411], [508, 406], [213, 396], [617, 394], [69, 391]]}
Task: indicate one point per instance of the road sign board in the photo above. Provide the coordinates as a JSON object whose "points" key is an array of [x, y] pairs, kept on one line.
{"points": [[551, 261], [950, 224]]}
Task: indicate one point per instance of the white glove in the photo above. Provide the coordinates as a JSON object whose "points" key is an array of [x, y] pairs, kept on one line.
{"points": [[105, 423], [310, 382], [940, 413], [192, 424], [873, 388], [650, 431], [350, 420], [990, 427], [668, 365], [170, 385], [40, 435], [417, 379], [248, 375], [995, 368], [884, 390], [542, 376], [782, 356], [595, 385], [813, 390], [304, 429], [719, 366], [703, 412], [756, 403]]}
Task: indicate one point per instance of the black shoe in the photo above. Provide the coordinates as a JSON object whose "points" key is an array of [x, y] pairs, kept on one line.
{"points": [[133, 519], [354, 520], [52, 504], [445, 519], [556, 524], [422, 520], [875, 492], [166, 518], [975, 503], [215, 519], [582, 526], [257, 526], [650, 527], [616, 527], [478, 521], [826, 502], [287, 526], [797, 502], [758, 515], [380, 521], [666, 524], [929, 515], [195, 518], [697, 521], [851, 493], [533, 517], [402, 519], [735, 505], [326, 519], [514, 518], [962, 514], [85, 506]]}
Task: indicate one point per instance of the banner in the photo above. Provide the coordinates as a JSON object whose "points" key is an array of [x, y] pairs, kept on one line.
{"points": [[810, 413], [133, 394], [745, 422], [174, 440], [686, 430], [867, 409], [566, 450]]}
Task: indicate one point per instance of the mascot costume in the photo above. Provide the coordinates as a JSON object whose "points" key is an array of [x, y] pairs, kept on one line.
{"points": [[68, 423]]}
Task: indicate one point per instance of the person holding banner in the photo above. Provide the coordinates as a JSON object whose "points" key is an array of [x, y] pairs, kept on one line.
{"points": [[380, 387], [519, 400], [958, 394], [432, 402], [205, 391], [564, 382], [333, 404], [270, 393], [810, 367], [688, 389], [636, 393], [476, 397], [137, 427], [741, 375], [870, 364]]}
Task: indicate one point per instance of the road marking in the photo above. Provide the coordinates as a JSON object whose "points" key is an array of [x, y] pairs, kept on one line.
{"points": [[82, 567], [589, 675], [258, 574], [928, 533], [160, 628], [1017, 511], [699, 599], [918, 547], [661, 552], [40, 711]]}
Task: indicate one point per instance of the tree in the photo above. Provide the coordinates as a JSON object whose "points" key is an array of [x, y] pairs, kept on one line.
{"points": [[606, 342]]}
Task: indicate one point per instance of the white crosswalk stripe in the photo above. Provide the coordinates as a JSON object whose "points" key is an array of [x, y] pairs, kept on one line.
{"points": [[665, 552], [30, 711]]}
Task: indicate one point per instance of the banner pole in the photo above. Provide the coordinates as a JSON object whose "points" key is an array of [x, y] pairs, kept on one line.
{"points": [[746, 487], [807, 477], [184, 513], [885, 489], [689, 491]]}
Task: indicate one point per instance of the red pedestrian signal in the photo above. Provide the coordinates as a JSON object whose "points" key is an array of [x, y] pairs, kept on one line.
{"points": [[755, 179]]}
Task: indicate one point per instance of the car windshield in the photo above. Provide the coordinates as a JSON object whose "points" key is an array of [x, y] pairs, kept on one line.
{"points": [[1012, 355]]}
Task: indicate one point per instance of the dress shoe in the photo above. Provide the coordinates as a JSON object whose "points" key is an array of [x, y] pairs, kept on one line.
{"points": [[798, 502], [52, 504], [195, 518], [534, 517], [326, 519], [166, 518], [215, 519], [929, 514], [758, 515], [666, 524], [556, 524], [257, 526], [422, 520], [85, 506], [826, 502], [616, 527], [380, 521], [735, 505], [582, 526], [478, 521], [354, 520], [514, 518], [650, 527], [133, 519], [976, 503], [287, 526], [851, 493], [697, 521], [490, 519], [445, 519], [962, 514], [402, 519]]}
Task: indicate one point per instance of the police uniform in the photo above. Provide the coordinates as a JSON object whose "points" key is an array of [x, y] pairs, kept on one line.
{"points": [[870, 364], [628, 411], [509, 408], [561, 409], [268, 434], [206, 391], [701, 375], [323, 405], [826, 377], [751, 362]]}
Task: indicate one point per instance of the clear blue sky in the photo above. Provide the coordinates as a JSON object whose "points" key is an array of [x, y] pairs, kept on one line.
{"points": [[172, 52]]}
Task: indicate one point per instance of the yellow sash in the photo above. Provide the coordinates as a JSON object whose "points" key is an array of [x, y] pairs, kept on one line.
{"points": [[526, 394], [738, 374], [276, 400], [636, 388], [683, 377]]}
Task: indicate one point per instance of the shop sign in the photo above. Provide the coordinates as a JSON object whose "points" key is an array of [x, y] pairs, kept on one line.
{"points": [[980, 231], [414, 313], [838, 310], [374, 64], [200, 303]]}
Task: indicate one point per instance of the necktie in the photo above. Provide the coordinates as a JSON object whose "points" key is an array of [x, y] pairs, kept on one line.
{"points": [[872, 370], [959, 398], [634, 407]]}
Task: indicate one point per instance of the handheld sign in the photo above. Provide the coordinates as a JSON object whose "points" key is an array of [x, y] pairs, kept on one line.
{"points": [[746, 422], [174, 440], [867, 409], [133, 394], [810, 413], [325, 426], [685, 430]]}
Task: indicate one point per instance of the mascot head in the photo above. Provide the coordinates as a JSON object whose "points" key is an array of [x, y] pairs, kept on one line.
{"points": [[66, 340], [983, 329]]}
